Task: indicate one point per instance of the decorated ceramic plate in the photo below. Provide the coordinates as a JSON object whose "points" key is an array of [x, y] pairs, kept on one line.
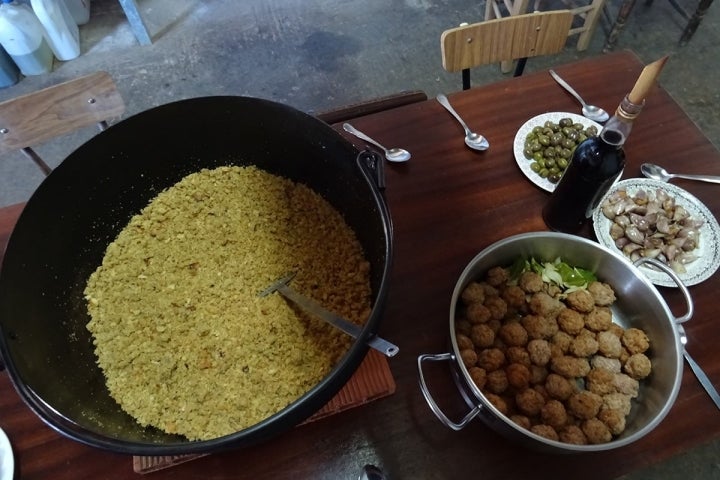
{"points": [[519, 143], [708, 244], [7, 463]]}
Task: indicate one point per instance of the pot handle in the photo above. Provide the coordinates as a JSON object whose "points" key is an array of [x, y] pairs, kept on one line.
{"points": [[431, 401], [671, 273], [372, 164]]}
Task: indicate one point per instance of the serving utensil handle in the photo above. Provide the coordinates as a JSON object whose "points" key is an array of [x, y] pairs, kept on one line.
{"points": [[431, 401], [703, 378]]}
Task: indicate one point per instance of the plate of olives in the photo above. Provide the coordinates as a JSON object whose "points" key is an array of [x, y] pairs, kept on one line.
{"points": [[544, 145]]}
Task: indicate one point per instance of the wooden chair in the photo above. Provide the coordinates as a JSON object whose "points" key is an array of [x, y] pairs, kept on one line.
{"points": [[516, 37], [40, 116], [589, 13]]}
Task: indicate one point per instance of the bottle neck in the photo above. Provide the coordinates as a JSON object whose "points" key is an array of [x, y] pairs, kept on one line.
{"points": [[618, 127]]}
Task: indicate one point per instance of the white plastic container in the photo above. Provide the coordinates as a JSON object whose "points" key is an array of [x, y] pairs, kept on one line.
{"points": [[79, 9], [63, 34], [23, 37], [9, 72]]}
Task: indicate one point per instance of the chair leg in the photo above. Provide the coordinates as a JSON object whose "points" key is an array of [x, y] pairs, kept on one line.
{"points": [[695, 20], [520, 67], [619, 24], [591, 20], [466, 79]]}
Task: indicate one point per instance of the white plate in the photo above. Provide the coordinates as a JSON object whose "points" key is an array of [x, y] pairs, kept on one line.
{"points": [[7, 462], [519, 143], [708, 251]]}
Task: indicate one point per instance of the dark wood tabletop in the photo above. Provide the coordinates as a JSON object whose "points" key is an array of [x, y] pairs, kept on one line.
{"points": [[448, 203]]}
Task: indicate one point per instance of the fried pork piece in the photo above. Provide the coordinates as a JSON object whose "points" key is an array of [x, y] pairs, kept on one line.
{"points": [[613, 419], [617, 401], [469, 357], [553, 413], [538, 326], [600, 381], [463, 326], [584, 404], [463, 342], [583, 346], [609, 344], [569, 366], [478, 376], [539, 351], [544, 305], [538, 374], [498, 402], [497, 306], [635, 340], [496, 381], [491, 359], [626, 384], [531, 282], [616, 329], [518, 375], [521, 420], [638, 366], [513, 334], [561, 342], [599, 319], [596, 431], [481, 336], [473, 293], [570, 321], [558, 387], [610, 364], [529, 402], [497, 276], [518, 355], [602, 293], [477, 313], [545, 431], [580, 300], [573, 434], [514, 297]]}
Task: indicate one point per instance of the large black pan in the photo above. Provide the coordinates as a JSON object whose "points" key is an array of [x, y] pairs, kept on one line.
{"points": [[61, 236]]}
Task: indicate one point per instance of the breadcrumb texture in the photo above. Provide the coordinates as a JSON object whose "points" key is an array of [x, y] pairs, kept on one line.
{"points": [[184, 341]]}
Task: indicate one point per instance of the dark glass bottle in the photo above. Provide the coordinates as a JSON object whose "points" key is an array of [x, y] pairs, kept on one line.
{"points": [[596, 164]]}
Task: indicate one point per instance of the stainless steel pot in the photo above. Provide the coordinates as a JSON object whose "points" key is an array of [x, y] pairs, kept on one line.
{"points": [[639, 305]]}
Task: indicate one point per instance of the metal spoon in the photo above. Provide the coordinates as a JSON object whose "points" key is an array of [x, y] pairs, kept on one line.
{"points": [[698, 371], [472, 139], [592, 112], [656, 172], [392, 155]]}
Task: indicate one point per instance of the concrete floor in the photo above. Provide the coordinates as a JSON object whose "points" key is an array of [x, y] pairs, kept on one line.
{"points": [[319, 54]]}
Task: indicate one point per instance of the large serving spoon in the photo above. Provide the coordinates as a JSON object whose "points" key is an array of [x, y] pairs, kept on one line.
{"points": [[656, 172], [592, 112], [472, 139], [392, 154]]}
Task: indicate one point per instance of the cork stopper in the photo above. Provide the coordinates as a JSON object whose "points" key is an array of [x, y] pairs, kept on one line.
{"points": [[646, 81]]}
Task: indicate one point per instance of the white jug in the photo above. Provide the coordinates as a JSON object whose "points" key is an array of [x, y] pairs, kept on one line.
{"points": [[62, 31], [23, 37]]}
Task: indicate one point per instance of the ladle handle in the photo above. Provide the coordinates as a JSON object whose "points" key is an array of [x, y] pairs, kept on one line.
{"points": [[442, 99], [567, 87], [702, 178], [703, 378]]}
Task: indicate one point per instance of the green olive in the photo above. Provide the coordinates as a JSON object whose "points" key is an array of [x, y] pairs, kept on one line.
{"points": [[566, 122], [535, 167], [544, 172], [544, 140]]}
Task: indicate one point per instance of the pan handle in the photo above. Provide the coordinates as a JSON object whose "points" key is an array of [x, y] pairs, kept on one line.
{"points": [[431, 401], [373, 166], [671, 273]]}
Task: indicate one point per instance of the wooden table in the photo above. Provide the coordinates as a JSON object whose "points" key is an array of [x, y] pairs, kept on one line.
{"points": [[447, 204]]}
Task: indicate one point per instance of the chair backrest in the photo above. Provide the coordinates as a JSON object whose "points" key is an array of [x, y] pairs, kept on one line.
{"points": [[503, 39], [40, 116]]}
